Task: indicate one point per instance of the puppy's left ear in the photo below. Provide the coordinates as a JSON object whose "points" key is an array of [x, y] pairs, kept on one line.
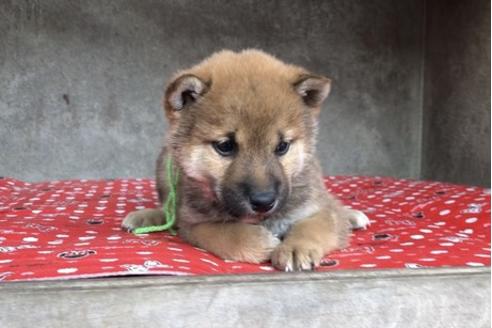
{"points": [[313, 89], [182, 93]]}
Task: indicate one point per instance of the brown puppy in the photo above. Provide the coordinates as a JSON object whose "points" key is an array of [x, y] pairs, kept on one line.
{"points": [[242, 136]]}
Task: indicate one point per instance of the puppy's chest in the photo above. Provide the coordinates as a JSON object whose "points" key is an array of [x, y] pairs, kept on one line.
{"points": [[280, 226]]}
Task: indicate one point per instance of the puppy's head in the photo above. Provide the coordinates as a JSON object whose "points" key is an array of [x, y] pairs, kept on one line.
{"points": [[243, 125]]}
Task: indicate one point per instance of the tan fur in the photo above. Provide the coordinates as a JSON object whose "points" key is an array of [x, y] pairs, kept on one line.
{"points": [[258, 102], [234, 241]]}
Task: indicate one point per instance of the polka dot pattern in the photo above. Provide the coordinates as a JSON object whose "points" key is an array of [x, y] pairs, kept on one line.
{"points": [[71, 229]]}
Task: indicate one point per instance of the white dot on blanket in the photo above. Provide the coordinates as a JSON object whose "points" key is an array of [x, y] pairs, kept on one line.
{"points": [[368, 265], [267, 268], [444, 212], [144, 253], [474, 264], [113, 237], [5, 261], [84, 238], [30, 239], [67, 270], [209, 261], [471, 220], [383, 257], [426, 230], [396, 250], [439, 251], [417, 237], [45, 252], [182, 260]]}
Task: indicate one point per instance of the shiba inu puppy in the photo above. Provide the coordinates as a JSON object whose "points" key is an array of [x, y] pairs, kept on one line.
{"points": [[242, 137]]}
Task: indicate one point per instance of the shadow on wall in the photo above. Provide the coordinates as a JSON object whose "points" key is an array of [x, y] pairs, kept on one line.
{"points": [[457, 93]]}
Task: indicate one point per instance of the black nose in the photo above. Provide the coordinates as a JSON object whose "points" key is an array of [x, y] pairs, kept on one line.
{"points": [[262, 201]]}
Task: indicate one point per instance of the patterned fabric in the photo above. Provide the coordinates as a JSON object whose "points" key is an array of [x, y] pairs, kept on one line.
{"points": [[71, 229]]}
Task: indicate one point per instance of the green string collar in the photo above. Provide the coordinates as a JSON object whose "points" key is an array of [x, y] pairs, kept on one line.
{"points": [[169, 206]]}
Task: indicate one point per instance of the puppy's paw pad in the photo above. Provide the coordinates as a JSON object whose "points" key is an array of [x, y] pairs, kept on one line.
{"points": [[359, 220]]}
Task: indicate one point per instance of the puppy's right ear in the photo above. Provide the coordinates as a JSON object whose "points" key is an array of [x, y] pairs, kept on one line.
{"points": [[181, 93]]}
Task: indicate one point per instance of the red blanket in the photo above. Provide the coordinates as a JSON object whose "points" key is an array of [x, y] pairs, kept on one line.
{"points": [[71, 229]]}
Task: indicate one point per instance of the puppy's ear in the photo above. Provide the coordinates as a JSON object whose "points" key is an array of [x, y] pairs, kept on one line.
{"points": [[183, 92], [313, 89]]}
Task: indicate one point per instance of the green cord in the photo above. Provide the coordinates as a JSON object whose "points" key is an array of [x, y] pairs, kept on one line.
{"points": [[169, 206]]}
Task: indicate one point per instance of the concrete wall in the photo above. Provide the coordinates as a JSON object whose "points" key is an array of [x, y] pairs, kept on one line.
{"points": [[81, 81], [457, 92]]}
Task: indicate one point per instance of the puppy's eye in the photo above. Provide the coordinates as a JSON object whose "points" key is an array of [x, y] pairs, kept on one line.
{"points": [[225, 148], [282, 148]]}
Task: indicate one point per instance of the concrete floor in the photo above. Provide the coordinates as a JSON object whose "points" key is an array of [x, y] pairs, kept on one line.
{"points": [[450, 297]]}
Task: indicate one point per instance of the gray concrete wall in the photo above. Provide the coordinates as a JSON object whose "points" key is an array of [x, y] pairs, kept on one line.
{"points": [[81, 81], [457, 92]]}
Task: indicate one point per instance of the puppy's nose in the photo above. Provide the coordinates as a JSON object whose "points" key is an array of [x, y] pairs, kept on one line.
{"points": [[262, 201]]}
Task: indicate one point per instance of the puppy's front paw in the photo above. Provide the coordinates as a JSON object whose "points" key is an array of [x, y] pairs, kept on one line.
{"points": [[358, 220], [142, 218], [254, 244], [300, 256]]}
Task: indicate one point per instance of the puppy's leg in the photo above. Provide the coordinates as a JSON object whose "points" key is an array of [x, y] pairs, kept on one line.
{"points": [[143, 218], [233, 241], [309, 240]]}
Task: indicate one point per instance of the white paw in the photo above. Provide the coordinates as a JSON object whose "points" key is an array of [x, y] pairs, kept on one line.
{"points": [[359, 220], [142, 218]]}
